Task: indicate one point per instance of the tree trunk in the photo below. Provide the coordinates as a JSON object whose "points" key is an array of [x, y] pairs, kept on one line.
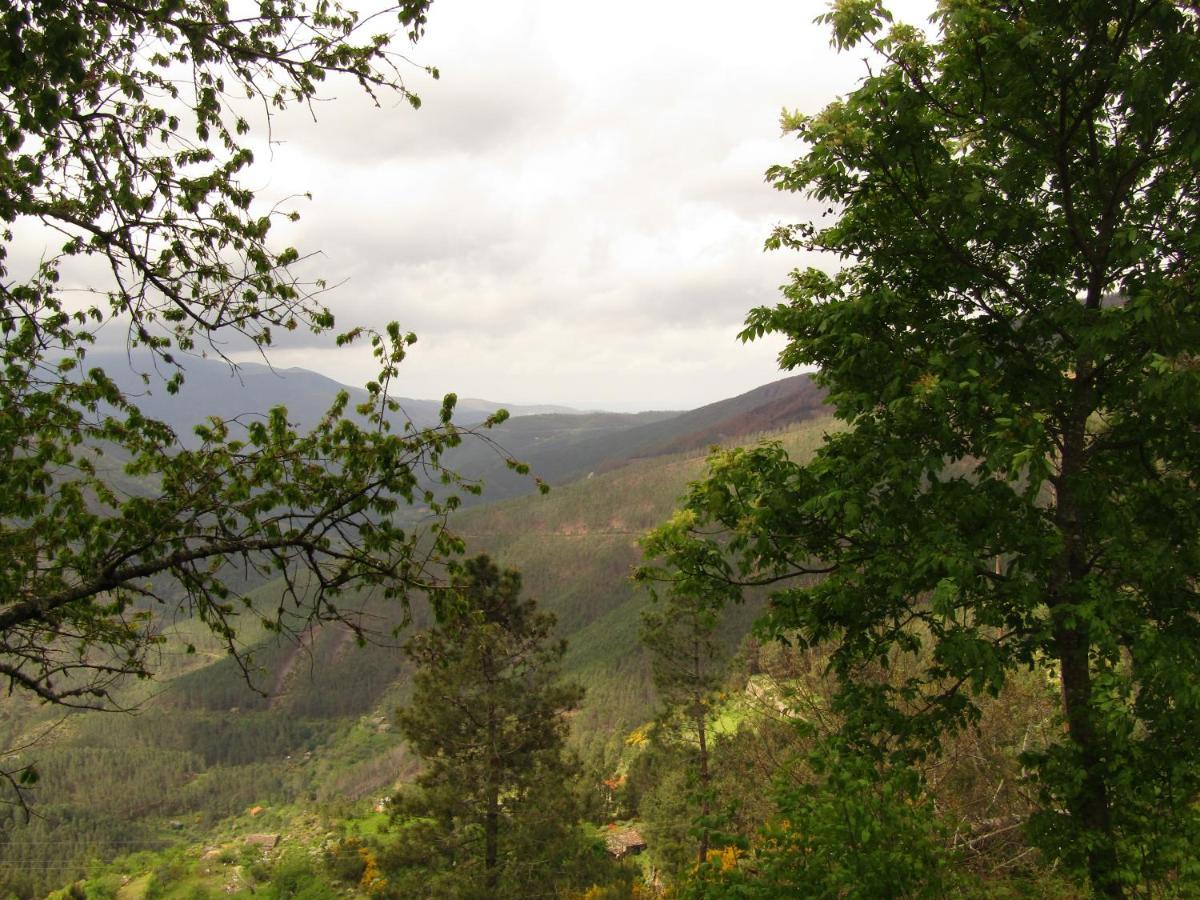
{"points": [[491, 816], [1089, 806], [1089, 803], [705, 781], [491, 832]]}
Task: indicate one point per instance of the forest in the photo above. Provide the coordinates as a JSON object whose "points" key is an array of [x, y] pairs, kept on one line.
{"points": [[918, 619]]}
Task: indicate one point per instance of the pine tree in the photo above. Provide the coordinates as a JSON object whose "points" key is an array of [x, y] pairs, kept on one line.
{"points": [[688, 664], [493, 807]]}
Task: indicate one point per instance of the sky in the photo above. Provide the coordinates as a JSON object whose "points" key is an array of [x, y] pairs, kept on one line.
{"points": [[576, 215]]}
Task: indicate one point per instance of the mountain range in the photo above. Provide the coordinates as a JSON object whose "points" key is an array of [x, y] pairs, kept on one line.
{"points": [[559, 444], [205, 747]]}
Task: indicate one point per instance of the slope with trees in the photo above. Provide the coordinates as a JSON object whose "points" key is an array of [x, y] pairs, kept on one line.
{"points": [[688, 661], [1010, 340], [560, 448], [577, 548]]}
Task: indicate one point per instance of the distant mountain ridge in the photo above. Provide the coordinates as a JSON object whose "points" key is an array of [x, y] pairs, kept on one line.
{"points": [[214, 388], [473, 405], [770, 407], [560, 448], [558, 443]]}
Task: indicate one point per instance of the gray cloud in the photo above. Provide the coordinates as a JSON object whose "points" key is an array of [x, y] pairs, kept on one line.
{"points": [[577, 213]]}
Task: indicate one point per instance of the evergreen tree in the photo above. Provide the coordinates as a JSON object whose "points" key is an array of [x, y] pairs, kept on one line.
{"points": [[688, 664], [494, 807]]}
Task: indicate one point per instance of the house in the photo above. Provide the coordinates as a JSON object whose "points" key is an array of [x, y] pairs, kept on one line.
{"points": [[622, 842]]}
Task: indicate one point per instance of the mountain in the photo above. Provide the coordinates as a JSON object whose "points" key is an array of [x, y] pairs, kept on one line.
{"points": [[204, 747], [560, 448], [559, 444], [213, 388], [768, 408], [474, 409]]}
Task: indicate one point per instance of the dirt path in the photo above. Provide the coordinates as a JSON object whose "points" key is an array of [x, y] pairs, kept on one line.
{"points": [[303, 652], [291, 662]]}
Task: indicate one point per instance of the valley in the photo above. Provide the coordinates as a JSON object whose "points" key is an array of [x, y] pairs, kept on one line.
{"points": [[924, 623], [309, 725]]}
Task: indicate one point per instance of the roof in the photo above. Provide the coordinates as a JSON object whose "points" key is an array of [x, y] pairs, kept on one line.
{"points": [[620, 841]]}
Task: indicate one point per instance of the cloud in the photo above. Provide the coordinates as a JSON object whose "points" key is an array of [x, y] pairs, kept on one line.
{"points": [[577, 212]]}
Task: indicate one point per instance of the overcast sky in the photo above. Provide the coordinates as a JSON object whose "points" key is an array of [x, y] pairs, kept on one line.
{"points": [[576, 214]]}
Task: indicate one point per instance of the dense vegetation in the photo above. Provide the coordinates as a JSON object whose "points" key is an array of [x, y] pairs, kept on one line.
{"points": [[214, 765], [1010, 340], [493, 809], [114, 160], [974, 666], [333, 703]]}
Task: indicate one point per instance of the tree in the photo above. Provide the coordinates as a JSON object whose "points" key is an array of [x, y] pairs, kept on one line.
{"points": [[688, 663], [488, 716], [1010, 341], [124, 126]]}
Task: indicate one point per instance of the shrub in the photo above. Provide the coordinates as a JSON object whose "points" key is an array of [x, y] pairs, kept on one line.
{"points": [[856, 830]]}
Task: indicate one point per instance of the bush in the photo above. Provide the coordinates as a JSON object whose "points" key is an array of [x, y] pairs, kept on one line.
{"points": [[345, 860], [296, 878], [857, 830], [103, 887], [258, 871]]}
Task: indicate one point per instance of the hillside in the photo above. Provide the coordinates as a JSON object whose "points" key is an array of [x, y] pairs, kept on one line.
{"points": [[770, 407], [206, 747], [561, 448], [576, 548], [558, 443]]}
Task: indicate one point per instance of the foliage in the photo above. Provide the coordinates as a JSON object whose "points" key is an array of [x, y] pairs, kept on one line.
{"points": [[688, 662], [346, 860], [784, 763], [575, 549], [114, 782], [581, 577], [661, 781], [493, 808], [848, 831], [295, 877], [126, 130], [1011, 343]]}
